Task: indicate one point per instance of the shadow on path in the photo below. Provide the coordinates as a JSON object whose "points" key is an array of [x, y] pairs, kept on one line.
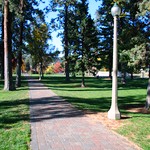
{"points": [[52, 108], [57, 125]]}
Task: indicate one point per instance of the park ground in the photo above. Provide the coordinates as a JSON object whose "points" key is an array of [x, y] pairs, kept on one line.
{"points": [[94, 100]]}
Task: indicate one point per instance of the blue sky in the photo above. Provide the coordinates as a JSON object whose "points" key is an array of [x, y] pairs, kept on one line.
{"points": [[56, 41]]}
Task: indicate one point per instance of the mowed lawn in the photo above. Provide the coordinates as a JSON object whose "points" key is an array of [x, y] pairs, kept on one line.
{"points": [[96, 97], [14, 118]]}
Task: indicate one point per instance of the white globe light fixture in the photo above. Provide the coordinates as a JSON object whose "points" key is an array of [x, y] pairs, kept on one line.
{"points": [[115, 10], [114, 113]]}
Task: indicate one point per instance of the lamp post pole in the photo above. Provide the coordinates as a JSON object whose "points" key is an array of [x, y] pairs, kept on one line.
{"points": [[114, 113]]}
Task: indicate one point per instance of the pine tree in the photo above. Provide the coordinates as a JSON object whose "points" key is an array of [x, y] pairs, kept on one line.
{"points": [[104, 24], [8, 82], [64, 7], [15, 12], [87, 41], [23, 13], [2, 44], [19, 55], [133, 37], [132, 30]]}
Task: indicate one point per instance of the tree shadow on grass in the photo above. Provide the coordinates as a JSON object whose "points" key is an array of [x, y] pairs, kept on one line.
{"points": [[56, 108], [58, 82], [95, 105], [1, 84], [11, 112], [133, 106], [92, 82]]}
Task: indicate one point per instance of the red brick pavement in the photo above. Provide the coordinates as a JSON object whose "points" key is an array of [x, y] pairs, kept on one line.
{"points": [[57, 125]]}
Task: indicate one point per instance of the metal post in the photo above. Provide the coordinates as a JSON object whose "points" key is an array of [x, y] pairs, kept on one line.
{"points": [[114, 113]]}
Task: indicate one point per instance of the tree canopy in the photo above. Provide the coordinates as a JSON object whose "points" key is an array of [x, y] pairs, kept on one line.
{"points": [[87, 43]]}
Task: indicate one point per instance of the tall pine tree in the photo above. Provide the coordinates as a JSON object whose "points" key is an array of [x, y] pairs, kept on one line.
{"points": [[104, 24], [86, 42], [8, 81], [63, 7]]}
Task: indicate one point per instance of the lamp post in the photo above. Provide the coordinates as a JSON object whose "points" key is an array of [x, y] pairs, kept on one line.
{"points": [[114, 113]]}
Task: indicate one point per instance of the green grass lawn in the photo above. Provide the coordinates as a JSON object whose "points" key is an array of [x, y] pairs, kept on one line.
{"points": [[97, 97], [14, 118]]}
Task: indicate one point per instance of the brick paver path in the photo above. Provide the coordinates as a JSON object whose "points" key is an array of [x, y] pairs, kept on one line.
{"points": [[56, 125]]}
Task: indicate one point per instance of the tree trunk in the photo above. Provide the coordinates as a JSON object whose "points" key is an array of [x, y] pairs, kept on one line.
{"points": [[18, 68], [8, 82], [83, 68], [41, 71], [19, 56], [123, 78], [41, 68], [66, 44], [83, 81], [110, 65], [131, 75], [73, 74], [2, 50], [110, 73], [12, 84], [147, 104], [149, 71]]}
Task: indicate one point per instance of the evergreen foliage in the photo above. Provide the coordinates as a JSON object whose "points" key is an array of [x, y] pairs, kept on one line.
{"points": [[104, 23], [133, 37], [83, 51], [87, 40]]}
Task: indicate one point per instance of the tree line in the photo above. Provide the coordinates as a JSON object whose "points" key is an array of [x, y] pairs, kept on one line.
{"points": [[87, 42], [24, 35]]}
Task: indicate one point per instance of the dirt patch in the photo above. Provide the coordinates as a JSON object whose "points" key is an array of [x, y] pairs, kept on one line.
{"points": [[139, 110], [148, 136], [102, 117], [114, 124]]}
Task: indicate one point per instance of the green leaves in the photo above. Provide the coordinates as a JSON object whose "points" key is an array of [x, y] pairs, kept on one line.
{"points": [[144, 7]]}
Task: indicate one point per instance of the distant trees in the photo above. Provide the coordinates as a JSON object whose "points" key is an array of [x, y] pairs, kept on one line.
{"points": [[38, 45], [134, 28], [57, 67], [64, 7], [54, 68], [133, 41], [16, 18], [20, 43], [87, 44], [104, 22], [79, 37]]}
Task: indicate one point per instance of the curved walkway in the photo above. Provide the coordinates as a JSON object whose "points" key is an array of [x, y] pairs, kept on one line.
{"points": [[57, 125]]}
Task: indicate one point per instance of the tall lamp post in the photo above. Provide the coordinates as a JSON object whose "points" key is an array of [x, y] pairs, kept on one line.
{"points": [[114, 113]]}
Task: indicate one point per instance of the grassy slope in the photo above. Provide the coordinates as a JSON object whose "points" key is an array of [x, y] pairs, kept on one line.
{"points": [[14, 119], [97, 97]]}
